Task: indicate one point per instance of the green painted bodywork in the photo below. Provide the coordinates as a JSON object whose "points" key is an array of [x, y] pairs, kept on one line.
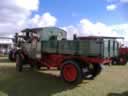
{"points": [[103, 48]]}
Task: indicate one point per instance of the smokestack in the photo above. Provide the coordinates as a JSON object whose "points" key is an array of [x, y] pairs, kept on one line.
{"points": [[74, 37]]}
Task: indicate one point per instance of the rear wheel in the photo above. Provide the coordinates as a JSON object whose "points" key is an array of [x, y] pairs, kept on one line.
{"points": [[96, 70], [71, 72], [19, 63], [114, 62], [91, 71]]}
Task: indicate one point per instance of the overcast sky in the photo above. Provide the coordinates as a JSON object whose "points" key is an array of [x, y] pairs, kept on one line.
{"points": [[82, 17]]}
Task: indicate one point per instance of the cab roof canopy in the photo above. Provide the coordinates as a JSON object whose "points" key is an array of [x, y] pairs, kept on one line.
{"points": [[46, 33], [31, 30], [38, 29]]}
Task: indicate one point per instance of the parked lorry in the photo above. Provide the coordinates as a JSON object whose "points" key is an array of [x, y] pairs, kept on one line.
{"points": [[122, 58], [115, 51], [77, 59]]}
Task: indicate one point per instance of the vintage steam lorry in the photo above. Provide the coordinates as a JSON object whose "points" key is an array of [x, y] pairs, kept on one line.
{"points": [[77, 59]]}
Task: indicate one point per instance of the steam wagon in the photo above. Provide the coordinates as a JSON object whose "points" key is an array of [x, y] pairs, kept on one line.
{"points": [[76, 59]]}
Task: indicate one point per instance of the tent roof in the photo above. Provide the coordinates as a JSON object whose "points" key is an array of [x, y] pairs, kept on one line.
{"points": [[6, 41]]}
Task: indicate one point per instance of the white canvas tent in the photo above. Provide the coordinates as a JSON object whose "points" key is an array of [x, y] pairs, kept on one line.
{"points": [[5, 45]]}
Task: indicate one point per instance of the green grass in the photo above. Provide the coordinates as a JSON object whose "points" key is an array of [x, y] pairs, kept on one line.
{"points": [[113, 81]]}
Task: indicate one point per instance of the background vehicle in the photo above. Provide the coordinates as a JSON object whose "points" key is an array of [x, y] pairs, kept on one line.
{"points": [[123, 56], [76, 59], [12, 54], [5, 45], [115, 51]]}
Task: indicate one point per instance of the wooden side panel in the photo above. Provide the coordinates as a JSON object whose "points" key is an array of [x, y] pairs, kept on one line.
{"points": [[111, 48], [116, 49], [68, 47], [106, 48], [94, 48], [49, 46], [83, 48]]}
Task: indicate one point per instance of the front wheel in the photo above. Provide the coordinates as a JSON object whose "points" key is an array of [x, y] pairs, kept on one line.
{"points": [[71, 72], [19, 63], [11, 56]]}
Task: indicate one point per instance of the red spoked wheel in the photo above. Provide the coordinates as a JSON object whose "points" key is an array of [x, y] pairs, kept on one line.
{"points": [[71, 72]]}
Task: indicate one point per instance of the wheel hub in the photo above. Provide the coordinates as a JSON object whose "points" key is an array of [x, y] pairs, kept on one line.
{"points": [[70, 72]]}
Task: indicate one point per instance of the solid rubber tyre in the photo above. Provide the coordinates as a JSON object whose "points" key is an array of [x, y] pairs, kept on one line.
{"points": [[10, 56], [92, 72], [71, 72], [96, 71]]}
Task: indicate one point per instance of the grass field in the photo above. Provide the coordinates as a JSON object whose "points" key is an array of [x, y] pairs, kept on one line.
{"points": [[113, 81]]}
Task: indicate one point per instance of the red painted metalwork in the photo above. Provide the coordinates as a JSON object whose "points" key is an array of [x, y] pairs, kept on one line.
{"points": [[96, 60], [123, 55], [51, 60], [69, 72], [123, 51], [56, 60]]}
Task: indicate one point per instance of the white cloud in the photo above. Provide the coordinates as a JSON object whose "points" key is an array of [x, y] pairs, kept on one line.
{"points": [[14, 13], [114, 4], [111, 7], [44, 20], [28, 4], [97, 29]]}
